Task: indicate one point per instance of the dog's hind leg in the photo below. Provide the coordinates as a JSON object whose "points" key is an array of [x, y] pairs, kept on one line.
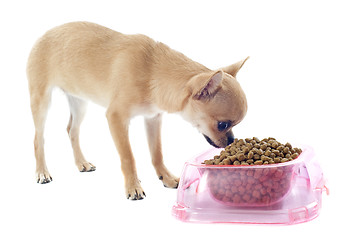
{"points": [[77, 113], [40, 97]]}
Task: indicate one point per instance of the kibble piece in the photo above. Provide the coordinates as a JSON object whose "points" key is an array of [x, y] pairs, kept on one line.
{"points": [[276, 152], [246, 197], [242, 142], [267, 153], [245, 150], [258, 162], [298, 150], [250, 155], [274, 144], [233, 158], [256, 194], [263, 147], [286, 150], [209, 162], [265, 158], [227, 161], [280, 148], [248, 140], [241, 156], [288, 145]]}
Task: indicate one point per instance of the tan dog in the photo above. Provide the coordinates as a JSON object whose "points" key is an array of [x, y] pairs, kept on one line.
{"points": [[129, 75]]}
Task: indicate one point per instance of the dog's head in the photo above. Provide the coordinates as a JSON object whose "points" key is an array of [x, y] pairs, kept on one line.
{"points": [[217, 103]]}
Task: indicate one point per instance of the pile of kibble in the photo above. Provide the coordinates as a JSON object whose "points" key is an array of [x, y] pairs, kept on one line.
{"points": [[248, 186], [252, 151]]}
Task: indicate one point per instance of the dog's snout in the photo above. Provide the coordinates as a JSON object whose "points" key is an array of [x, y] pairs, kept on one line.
{"points": [[210, 141], [230, 137]]}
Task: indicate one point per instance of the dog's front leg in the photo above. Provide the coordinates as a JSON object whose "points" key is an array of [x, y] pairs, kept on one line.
{"points": [[119, 124], [153, 126]]}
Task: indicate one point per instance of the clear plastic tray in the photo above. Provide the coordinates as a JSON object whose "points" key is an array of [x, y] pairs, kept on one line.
{"points": [[283, 193]]}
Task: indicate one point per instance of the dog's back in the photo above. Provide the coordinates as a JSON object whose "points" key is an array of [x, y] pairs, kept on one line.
{"points": [[89, 56]]}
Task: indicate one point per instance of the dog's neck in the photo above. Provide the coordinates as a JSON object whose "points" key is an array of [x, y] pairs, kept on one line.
{"points": [[171, 71]]}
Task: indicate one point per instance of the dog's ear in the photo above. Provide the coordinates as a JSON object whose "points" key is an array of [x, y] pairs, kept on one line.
{"points": [[205, 85], [234, 68]]}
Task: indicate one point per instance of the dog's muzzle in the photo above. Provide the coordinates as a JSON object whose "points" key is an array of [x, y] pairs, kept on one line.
{"points": [[230, 139], [210, 141]]}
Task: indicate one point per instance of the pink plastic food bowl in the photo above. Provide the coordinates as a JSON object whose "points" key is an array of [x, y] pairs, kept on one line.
{"points": [[282, 193]]}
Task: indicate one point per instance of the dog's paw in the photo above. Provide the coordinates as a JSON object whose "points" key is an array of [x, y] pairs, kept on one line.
{"points": [[85, 167], [135, 192], [43, 177], [169, 180]]}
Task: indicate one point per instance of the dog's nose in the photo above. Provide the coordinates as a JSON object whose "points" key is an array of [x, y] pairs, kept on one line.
{"points": [[230, 138]]}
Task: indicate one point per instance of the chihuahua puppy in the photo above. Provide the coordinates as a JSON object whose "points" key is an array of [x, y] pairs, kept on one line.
{"points": [[129, 75]]}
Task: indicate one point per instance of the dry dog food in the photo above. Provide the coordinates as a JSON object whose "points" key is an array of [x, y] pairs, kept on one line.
{"points": [[246, 185], [252, 151]]}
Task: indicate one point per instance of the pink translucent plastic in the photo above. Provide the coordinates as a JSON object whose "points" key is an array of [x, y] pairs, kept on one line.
{"points": [[283, 193]]}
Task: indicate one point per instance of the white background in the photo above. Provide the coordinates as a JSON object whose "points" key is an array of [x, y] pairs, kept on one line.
{"points": [[302, 84]]}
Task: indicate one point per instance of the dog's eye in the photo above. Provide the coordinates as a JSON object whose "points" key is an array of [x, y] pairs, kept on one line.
{"points": [[222, 126]]}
